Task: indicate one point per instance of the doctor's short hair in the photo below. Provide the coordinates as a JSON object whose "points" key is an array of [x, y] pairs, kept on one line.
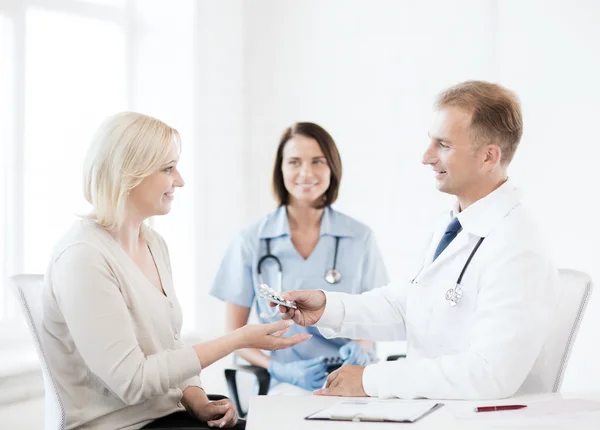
{"points": [[126, 148], [330, 151], [496, 111]]}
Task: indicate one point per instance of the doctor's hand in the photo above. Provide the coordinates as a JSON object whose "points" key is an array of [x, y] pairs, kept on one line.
{"points": [[311, 305], [346, 382], [268, 336], [354, 353], [307, 374]]}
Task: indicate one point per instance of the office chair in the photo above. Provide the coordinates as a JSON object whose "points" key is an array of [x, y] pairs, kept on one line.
{"points": [[231, 376], [576, 289], [28, 289]]}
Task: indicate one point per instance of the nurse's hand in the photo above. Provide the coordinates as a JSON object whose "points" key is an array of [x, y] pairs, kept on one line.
{"points": [[307, 374], [268, 336], [311, 305], [346, 382], [354, 353]]}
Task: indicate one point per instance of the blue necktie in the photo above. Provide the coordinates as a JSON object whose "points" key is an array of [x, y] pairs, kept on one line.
{"points": [[449, 235]]}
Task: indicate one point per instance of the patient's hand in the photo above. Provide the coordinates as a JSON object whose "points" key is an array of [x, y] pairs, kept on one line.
{"points": [[268, 336], [220, 413]]}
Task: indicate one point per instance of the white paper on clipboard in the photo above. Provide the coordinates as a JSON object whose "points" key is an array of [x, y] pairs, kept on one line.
{"points": [[376, 410]]}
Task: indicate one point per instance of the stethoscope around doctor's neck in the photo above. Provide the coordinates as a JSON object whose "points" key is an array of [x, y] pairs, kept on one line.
{"points": [[332, 276], [454, 295]]}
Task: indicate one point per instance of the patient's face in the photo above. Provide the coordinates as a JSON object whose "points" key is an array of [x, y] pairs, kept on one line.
{"points": [[306, 174], [154, 195]]}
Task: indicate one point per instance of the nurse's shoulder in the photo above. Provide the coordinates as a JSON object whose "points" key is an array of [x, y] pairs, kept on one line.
{"points": [[345, 225], [268, 226]]}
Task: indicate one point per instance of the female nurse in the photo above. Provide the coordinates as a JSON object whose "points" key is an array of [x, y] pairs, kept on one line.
{"points": [[308, 245]]}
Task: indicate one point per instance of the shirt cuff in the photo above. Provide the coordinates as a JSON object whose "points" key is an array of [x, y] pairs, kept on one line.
{"points": [[370, 380], [333, 315], [183, 364], [383, 380], [194, 381]]}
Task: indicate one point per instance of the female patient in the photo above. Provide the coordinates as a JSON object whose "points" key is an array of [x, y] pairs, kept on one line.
{"points": [[112, 323]]}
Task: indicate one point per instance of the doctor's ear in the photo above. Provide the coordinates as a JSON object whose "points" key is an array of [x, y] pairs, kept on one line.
{"points": [[493, 155]]}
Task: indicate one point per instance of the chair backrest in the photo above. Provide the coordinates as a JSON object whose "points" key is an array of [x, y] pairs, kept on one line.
{"points": [[575, 291], [28, 289]]}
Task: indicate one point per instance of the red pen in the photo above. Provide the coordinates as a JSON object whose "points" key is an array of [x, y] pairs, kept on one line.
{"points": [[499, 408]]}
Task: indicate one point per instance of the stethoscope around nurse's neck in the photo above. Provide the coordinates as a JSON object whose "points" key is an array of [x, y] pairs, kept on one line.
{"points": [[454, 295], [332, 276]]}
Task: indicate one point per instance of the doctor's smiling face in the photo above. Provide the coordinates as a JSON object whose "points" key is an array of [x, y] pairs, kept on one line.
{"points": [[473, 139], [306, 174], [459, 164]]}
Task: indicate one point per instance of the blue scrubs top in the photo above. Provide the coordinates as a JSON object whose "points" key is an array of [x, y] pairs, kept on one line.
{"points": [[359, 262]]}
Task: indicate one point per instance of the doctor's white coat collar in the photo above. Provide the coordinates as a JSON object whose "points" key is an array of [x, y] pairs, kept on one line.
{"points": [[277, 224], [480, 217]]}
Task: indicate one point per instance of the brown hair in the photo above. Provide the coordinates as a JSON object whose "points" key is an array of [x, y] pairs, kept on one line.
{"points": [[330, 151], [496, 113]]}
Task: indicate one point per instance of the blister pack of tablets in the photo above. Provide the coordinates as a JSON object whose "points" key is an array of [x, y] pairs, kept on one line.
{"points": [[333, 363], [271, 295]]}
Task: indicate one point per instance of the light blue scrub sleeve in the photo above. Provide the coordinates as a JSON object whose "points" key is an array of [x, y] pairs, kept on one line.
{"points": [[374, 271], [233, 282]]}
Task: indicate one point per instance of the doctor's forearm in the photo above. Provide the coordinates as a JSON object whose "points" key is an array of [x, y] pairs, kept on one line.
{"points": [[371, 315]]}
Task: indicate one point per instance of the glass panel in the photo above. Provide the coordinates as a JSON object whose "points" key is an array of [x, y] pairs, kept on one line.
{"points": [[75, 77]]}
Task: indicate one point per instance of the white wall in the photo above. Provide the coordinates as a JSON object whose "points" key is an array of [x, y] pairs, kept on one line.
{"points": [[369, 72], [548, 53], [187, 71], [162, 85], [221, 136]]}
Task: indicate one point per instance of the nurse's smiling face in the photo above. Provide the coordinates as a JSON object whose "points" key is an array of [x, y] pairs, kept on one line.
{"points": [[306, 174]]}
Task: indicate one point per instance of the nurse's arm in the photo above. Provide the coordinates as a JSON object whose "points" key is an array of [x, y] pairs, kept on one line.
{"points": [[235, 317], [365, 344], [376, 315]]}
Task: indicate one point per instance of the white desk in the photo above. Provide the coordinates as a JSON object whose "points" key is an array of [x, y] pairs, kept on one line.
{"points": [[288, 412]]}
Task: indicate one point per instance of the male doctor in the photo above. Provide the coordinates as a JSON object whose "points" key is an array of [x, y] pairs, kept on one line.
{"points": [[485, 337]]}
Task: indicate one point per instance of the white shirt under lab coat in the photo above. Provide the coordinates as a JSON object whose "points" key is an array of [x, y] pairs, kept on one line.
{"points": [[492, 344]]}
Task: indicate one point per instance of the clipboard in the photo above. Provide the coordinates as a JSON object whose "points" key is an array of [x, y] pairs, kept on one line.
{"points": [[393, 411]]}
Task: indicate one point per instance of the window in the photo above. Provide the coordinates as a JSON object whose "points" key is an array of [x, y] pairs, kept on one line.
{"points": [[75, 77], [120, 3], [63, 68], [6, 65]]}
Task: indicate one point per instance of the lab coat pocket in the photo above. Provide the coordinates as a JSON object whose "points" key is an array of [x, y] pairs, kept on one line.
{"points": [[450, 325], [419, 309]]}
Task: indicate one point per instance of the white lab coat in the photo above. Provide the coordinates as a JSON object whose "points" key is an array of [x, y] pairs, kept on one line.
{"points": [[492, 344]]}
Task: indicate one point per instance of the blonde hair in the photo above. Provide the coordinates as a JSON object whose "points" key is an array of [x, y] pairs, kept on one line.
{"points": [[496, 111], [126, 148]]}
